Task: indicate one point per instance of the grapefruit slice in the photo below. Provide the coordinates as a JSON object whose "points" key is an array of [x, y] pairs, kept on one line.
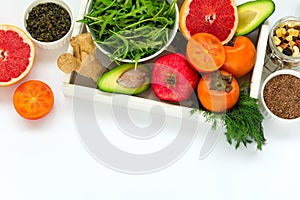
{"points": [[217, 17], [17, 53]]}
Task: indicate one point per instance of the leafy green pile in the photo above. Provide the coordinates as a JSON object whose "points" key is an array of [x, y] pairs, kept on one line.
{"points": [[243, 122], [131, 29]]}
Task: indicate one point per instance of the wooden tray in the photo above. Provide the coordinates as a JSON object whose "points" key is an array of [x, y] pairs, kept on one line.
{"points": [[75, 85]]}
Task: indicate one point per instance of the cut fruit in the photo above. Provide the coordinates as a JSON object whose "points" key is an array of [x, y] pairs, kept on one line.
{"points": [[252, 14], [217, 17], [205, 52], [33, 99], [17, 53], [126, 79]]}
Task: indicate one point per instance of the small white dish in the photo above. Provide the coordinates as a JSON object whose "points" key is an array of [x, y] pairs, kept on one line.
{"points": [[55, 44], [266, 111]]}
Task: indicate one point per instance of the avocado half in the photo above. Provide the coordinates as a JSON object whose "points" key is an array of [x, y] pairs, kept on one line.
{"points": [[108, 82], [252, 14]]}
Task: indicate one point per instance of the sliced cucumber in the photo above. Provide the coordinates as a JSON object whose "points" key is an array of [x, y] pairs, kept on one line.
{"points": [[252, 14]]}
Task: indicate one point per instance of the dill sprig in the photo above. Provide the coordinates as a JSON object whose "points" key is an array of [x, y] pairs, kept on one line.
{"points": [[243, 122]]}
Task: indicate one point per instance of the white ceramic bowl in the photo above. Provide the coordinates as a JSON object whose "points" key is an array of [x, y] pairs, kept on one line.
{"points": [[173, 34], [266, 111], [55, 44]]}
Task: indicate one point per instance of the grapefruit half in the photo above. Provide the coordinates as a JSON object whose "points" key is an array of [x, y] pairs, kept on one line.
{"points": [[17, 53], [217, 17]]}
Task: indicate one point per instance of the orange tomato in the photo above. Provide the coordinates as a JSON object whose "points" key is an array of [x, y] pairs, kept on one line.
{"points": [[33, 99], [239, 58], [205, 52], [211, 91]]}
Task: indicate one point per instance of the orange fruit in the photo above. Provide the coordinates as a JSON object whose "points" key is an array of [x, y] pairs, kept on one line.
{"points": [[205, 52], [33, 99], [17, 53], [240, 58], [217, 100], [217, 17]]}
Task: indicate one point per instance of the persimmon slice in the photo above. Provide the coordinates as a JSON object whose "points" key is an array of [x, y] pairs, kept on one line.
{"points": [[205, 52], [33, 99]]}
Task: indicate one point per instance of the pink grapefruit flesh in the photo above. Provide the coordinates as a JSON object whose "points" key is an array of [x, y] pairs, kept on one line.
{"points": [[217, 17], [17, 53]]}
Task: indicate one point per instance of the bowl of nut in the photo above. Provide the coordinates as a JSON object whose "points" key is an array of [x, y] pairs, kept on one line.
{"points": [[280, 95], [284, 42]]}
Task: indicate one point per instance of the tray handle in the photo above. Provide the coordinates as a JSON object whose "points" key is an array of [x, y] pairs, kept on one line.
{"points": [[259, 64]]}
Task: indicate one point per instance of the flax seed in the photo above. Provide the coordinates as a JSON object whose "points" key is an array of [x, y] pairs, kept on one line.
{"points": [[282, 96]]}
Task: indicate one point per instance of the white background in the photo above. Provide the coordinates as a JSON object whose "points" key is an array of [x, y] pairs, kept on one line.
{"points": [[45, 159]]}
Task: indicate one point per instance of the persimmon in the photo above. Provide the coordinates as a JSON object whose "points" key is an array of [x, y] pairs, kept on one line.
{"points": [[240, 57], [33, 99], [218, 91], [205, 52]]}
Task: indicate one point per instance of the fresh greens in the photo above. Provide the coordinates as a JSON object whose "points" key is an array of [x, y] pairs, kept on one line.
{"points": [[131, 29], [243, 122]]}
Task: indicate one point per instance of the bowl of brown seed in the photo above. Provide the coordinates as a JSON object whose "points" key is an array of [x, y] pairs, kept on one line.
{"points": [[49, 23], [280, 95]]}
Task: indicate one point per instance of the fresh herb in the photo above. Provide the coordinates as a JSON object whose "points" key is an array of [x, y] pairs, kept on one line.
{"points": [[131, 29], [48, 22], [243, 122]]}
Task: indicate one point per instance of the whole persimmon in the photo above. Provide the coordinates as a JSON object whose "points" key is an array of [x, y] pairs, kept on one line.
{"points": [[218, 91], [239, 57]]}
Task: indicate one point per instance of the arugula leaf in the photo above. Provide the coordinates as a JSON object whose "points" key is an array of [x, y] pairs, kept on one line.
{"points": [[115, 22]]}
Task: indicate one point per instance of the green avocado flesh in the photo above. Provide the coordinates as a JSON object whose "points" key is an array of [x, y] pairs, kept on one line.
{"points": [[252, 14], [126, 79]]}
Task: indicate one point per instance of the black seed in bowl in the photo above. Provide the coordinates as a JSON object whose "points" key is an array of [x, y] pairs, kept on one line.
{"points": [[48, 22]]}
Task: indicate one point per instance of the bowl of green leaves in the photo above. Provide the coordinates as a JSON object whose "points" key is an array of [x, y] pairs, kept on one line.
{"points": [[132, 31]]}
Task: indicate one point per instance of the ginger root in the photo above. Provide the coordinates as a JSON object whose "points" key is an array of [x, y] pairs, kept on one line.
{"points": [[83, 60]]}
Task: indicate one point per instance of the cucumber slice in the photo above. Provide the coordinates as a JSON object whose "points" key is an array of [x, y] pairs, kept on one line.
{"points": [[252, 14]]}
